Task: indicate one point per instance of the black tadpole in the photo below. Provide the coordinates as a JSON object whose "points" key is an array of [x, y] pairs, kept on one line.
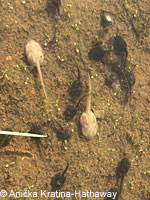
{"points": [[53, 7], [120, 48], [122, 167], [57, 4], [122, 170], [120, 45], [59, 179]]}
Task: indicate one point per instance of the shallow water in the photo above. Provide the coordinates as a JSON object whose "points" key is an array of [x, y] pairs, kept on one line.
{"points": [[66, 41]]}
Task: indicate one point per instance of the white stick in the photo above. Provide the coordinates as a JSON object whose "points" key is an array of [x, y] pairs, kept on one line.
{"points": [[21, 134]]}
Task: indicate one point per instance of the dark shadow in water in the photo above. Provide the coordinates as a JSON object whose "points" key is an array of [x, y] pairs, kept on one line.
{"points": [[76, 88], [62, 133], [5, 139], [97, 52], [36, 129], [70, 112]]}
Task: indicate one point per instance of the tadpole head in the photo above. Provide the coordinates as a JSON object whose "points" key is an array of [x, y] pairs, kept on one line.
{"points": [[120, 46], [58, 181], [53, 7], [96, 53], [56, 3], [122, 168]]}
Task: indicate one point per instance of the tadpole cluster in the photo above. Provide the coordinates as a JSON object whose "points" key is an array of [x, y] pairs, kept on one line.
{"points": [[98, 53], [119, 71]]}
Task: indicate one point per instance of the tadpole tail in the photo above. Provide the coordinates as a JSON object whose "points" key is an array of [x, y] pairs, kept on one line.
{"points": [[41, 78], [121, 184], [79, 75], [81, 99], [88, 106], [64, 172]]}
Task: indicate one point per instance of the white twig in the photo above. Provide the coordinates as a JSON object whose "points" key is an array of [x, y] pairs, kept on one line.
{"points": [[21, 134]]}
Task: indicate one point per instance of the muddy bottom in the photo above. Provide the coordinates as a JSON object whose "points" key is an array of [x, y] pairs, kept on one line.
{"points": [[67, 34]]}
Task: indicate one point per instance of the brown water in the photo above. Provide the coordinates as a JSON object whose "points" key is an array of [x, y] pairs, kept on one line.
{"points": [[123, 129]]}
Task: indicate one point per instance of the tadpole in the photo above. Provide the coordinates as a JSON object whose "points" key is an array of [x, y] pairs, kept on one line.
{"points": [[120, 46], [122, 170], [59, 179], [53, 7], [127, 77], [35, 57], [122, 167]]}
